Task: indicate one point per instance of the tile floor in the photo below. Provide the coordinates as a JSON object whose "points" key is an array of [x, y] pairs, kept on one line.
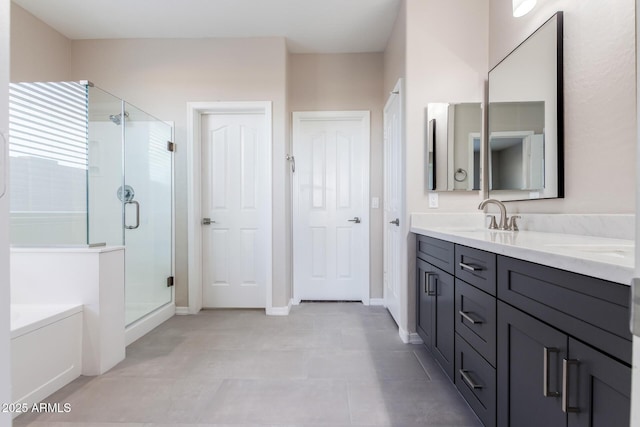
{"points": [[326, 364]]}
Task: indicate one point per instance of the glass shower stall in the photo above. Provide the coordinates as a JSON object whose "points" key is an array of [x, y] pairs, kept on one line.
{"points": [[88, 168]]}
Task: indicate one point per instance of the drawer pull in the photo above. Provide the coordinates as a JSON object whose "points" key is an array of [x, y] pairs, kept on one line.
{"points": [[468, 380], [469, 318], [566, 365], [470, 267], [545, 373]]}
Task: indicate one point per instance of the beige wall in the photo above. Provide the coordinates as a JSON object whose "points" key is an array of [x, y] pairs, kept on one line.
{"points": [[446, 61], [348, 82], [395, 53], [161, 76], [447, 45], [443, 49], [39, 53], [449, 50], [600, 103]]}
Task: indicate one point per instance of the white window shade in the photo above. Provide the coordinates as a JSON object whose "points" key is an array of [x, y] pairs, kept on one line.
{"points": [[48, 147]]}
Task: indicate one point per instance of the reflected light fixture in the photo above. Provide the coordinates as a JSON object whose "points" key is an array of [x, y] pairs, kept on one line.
{"points": [[522, 7]]}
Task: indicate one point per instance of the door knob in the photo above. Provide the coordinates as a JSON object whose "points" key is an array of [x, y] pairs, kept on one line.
{"points": [[355, 219], [396, 222], [207, 221]]}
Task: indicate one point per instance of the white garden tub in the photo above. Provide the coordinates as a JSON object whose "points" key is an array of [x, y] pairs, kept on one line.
{"points": [[46, 350]]}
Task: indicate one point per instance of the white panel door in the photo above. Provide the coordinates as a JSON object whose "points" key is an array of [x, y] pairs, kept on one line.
{"points": [[331, 215], [393, 202], [234, 155]]}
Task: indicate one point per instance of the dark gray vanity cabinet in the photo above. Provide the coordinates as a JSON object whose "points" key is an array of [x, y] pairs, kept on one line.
{"points": [[424, 306], [532, 345], [564, 348], [601, 391], [475, 325], [435, 294], [547, 378], [529, 370]]}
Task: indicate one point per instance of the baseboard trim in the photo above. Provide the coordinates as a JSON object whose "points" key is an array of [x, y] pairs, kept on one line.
{"points": [[145, 325], [182, 311], [279, 311], [409, 337], [414, 338], [376, 301]]}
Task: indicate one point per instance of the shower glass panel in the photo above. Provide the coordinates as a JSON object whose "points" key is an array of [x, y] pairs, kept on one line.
{"points": [[105, 168], [147, 213], [88, 168]]}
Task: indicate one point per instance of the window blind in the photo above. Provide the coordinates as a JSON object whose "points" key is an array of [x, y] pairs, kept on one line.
{"points": [[48, 125], [49, 121]]}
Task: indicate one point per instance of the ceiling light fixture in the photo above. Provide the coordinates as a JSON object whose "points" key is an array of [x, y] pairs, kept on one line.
{"points": [[522, 7]]}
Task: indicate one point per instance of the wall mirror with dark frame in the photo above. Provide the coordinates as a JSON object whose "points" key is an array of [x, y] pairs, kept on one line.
{"points": [[525, 115], [453, 146]]}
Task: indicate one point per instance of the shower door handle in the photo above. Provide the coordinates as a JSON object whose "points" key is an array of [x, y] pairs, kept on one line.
{"points": [[137, 205]]}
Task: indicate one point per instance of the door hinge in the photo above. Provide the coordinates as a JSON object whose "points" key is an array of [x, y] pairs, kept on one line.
{"points": [[171, 146], [169, 281]]}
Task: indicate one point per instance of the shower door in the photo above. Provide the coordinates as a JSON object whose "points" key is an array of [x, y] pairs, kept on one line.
{"points": [[147, 205]]}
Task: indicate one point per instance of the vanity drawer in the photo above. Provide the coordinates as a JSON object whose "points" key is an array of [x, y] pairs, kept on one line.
{"points": [[436, 252], [476, 380], [593, 310], [476, 319], [476, 267]]}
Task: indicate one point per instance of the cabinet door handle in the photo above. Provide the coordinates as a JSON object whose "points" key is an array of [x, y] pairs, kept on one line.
{"points": [[427, 282], [427, 288], [566, 366], [468, 380], [470, 267], [469, 318], [545, 373]]}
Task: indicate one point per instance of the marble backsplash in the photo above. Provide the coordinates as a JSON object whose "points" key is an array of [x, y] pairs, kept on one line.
{"points": [[614, 226]]}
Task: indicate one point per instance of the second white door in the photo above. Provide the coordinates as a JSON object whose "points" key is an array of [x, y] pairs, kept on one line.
{"points": [[393, 201], [330, 203], [234, 238]]}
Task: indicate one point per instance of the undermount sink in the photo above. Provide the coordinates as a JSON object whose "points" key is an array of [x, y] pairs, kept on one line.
{"points": [[615, 250]]}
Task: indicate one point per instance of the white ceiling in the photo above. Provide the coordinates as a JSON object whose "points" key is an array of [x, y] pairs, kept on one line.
{"points": [[310, 26]]}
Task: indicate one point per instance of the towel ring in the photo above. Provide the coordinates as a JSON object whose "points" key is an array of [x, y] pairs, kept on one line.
{"points": [[460, 175]]}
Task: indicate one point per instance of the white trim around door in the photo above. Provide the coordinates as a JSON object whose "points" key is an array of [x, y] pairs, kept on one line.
{"points": [[361, 148], [195, 111]]}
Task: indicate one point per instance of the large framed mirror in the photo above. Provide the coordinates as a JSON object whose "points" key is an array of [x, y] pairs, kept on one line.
{"points": [[526, 132], [453, 146]]}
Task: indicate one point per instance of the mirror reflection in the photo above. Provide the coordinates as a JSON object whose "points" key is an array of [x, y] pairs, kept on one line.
{"points": [[454, 140], [526, 118], [516, 158]]}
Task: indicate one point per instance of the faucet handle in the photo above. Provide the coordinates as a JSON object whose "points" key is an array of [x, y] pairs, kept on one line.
{"points": [[493, 225], [513, 225]]}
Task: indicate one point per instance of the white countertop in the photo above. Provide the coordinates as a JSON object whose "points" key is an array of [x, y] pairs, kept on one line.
{"points": [[604, 258]]}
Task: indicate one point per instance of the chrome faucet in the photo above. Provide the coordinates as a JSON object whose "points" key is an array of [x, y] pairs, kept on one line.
{"points": [[504, 220]]}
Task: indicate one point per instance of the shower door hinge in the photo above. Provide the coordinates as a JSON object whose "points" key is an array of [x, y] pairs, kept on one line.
{"points": [[171, 146], [169, 281]]}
